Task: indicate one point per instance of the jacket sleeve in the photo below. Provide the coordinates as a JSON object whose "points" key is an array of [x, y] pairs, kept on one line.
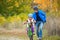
{"points": [[43, 15]]}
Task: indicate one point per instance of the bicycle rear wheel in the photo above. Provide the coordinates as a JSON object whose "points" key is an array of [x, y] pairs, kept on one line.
{"points": [[31, 38]]}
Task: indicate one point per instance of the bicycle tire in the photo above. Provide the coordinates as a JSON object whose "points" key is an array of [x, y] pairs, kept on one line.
{"points": [[30, 34]]}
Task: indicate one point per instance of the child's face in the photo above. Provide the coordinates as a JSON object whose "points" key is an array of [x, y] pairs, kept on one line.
{"points": [[30, 17]]}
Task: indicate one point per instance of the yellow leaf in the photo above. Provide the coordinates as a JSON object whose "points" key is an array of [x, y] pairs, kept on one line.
{"points": [[16, 4]]}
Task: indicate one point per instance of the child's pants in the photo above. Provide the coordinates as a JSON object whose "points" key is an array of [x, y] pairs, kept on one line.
{"points": [[32, 28]]}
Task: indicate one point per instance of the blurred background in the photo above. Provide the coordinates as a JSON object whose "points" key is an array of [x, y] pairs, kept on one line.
{"points": [[14, 12]]}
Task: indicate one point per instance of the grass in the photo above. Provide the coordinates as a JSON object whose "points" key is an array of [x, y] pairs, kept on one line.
{"points": [[26, 38], [52, 38]]}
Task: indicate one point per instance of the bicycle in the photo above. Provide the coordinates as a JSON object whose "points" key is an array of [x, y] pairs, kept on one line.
{"points": [[29, 32]]}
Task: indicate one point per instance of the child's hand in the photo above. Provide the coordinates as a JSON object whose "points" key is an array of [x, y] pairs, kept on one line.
{"points": [[34, 21], [23, 23]]}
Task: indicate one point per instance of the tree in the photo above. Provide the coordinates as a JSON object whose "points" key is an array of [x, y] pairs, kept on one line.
{"points": [[58, 1], [11, 7]]}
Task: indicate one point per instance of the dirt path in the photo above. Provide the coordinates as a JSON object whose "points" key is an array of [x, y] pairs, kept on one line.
{"points": [[9, 38], [15, 34], [14, 31]]}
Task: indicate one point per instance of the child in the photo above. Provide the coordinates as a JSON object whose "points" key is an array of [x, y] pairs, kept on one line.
{"points": [[30, 23]]}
